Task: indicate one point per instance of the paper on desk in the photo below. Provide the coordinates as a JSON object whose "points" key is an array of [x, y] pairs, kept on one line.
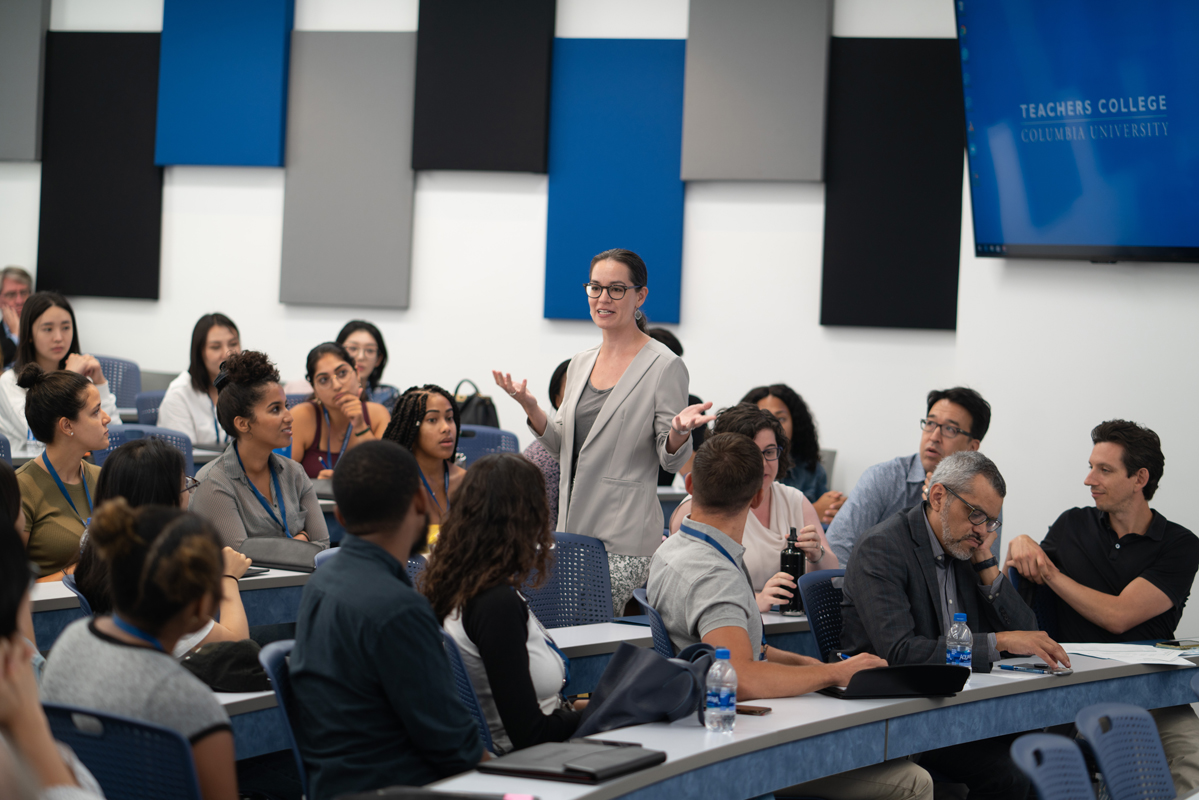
{"points": [[1128, 653]]}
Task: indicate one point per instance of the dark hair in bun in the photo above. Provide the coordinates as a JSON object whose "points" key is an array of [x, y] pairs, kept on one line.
{"points": [[241, 384], [50, 396], [160, 559]]}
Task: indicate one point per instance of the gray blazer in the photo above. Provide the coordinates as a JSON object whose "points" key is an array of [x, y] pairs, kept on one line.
{"points": [[892, 603], [615, 492]]}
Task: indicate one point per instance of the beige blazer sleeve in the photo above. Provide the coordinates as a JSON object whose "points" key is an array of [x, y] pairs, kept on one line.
{"points": [[615, 493]]}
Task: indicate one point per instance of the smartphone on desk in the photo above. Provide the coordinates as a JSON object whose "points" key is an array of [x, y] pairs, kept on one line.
{"points": [[1039, 667], [753, 711]]}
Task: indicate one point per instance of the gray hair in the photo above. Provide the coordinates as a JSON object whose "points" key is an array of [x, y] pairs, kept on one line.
{"points": [[957, 471], [17, 274]]}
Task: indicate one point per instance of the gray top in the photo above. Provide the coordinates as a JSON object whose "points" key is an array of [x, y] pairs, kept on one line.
{"points": [[947, 584], [227, 500], [697, 590], [92, 670], [586, 413], [882, 490]]}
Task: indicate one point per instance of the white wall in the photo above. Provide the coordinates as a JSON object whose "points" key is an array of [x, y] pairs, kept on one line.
{"points": [[1055, 346]]}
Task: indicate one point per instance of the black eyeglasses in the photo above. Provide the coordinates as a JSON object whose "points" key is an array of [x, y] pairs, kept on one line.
{"points": [[190, 485], [615, 291], [772, 453], [977, 515], [948, 431]]}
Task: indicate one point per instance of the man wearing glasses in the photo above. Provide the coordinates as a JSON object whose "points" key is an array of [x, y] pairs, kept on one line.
{"points": [[956, 419], [914, 571]]}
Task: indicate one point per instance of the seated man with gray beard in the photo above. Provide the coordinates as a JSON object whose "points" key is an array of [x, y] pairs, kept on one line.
{"points": [[913, 571]]}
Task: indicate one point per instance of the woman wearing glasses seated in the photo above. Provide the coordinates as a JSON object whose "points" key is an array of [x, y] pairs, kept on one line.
{"points": [[150, 472], [363, 341], [336, 419], [624, 413], [784, 508]]}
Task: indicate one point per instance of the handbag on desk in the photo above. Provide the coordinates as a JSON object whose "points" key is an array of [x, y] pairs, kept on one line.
{"points": [[475, 409], [639, 686], [279, 552]]}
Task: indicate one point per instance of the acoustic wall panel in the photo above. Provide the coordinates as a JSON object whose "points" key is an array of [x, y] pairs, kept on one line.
{"points": [[616, 118], [22, 49], [483, 85], [101, 209], [756, 77], [347, 204], [893, 196], [222, 96]]}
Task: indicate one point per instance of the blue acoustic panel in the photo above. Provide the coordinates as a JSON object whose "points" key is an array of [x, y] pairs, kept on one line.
{"points": [[616, 127], [222, 89]]}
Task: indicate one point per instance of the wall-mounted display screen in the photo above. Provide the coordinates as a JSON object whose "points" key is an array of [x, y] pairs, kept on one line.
{"points": [[1082, 127]]}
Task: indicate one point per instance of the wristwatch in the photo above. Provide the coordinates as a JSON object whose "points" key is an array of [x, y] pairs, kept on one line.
{"points": [[817, 559], [983, 566]]}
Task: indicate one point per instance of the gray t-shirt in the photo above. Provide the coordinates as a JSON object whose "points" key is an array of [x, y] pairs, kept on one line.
{"points": [[586, 413], [697, 590], [92, 670]]}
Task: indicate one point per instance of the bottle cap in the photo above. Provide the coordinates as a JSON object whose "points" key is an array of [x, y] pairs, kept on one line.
{"points": [[722, 653], [792, 537], [959, 617]]}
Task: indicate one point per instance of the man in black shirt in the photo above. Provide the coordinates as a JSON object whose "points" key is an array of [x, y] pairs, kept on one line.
{"points": [[1121, 571], [375, 699]]}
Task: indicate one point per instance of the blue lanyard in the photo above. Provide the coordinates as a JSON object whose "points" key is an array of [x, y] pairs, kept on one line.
{"points": [[565, 661], [258, 494], [133, 630], [62, 487], [429, 489], [344, 442], [706, 538]]}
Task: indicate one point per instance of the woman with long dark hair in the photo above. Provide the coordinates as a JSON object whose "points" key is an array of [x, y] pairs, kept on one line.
{"points": [[807, 473], [496, 536], [189, 405], [364, 342]]}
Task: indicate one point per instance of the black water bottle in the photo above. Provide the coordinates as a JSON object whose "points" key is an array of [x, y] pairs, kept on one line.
{"points": [[791, 561]]}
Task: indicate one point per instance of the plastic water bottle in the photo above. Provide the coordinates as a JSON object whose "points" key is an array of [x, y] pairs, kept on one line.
{"points": [[958, 642], [721, 708], [791, 562]]}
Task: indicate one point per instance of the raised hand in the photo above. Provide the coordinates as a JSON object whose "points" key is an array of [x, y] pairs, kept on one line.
{"points": [[517, 391], [691, 418]]}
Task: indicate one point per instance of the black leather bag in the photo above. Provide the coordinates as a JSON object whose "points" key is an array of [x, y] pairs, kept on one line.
{"points": [[475, 409], [280, 552], [639, 686], [228, 666]]}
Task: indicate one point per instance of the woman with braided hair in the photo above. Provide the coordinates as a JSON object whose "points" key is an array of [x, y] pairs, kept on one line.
{"points": [[426, 423]]}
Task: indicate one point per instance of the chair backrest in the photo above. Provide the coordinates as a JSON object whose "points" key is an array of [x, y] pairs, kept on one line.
{"points": [[294, 400], [116, 438], [821, 595], [466, 691], [273, 658], [68, 581], [1055, 766], [147, 404], [1127, 746], [5, 450], [324, 556], [179, 440], [657, 627], [476, 441], [124, 379], [131, 760], [1044, 603], [579, 589], [827, 459]]}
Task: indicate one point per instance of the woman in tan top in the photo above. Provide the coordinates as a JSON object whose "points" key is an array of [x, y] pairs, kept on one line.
{"points": [[64, 412]]}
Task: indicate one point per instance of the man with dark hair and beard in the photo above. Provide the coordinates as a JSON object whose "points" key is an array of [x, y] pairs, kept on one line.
{"points": [[375, 699]]}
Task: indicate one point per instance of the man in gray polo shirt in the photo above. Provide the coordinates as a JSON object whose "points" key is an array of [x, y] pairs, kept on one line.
{"points": [[698, 583]]}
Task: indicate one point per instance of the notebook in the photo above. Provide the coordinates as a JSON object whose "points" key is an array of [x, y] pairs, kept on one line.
{"points": [[579, 761], [907, 680]]}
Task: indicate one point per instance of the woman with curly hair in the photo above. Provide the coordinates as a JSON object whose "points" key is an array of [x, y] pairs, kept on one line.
{"points": [[426, 423], [250, 490], [496, 537], [807, 473]]}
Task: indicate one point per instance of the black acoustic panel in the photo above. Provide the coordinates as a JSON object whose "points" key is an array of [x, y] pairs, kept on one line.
{"points": [[893, 195], [101, 211], [483, 85]]}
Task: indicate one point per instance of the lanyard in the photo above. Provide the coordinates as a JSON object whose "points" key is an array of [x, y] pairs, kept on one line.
{"points": [[133, 630], [62, 487], [344, 442], [216, 427], [706, 538], [429, 488], [258, 494], [550, 641]]}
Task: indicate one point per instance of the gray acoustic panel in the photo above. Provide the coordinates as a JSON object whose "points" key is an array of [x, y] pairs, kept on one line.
{"points": [[755, 96], [23, 25], [347, 204]]}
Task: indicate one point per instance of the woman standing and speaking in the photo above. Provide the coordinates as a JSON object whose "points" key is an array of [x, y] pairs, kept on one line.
{"points": [[624, 412]]}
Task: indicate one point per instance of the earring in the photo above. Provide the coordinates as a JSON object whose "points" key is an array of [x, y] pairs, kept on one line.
{"points": [[637, 314], [72, 433]]}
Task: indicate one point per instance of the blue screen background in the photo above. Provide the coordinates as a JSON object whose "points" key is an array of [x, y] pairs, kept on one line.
{"points": [[1031, 187]]}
